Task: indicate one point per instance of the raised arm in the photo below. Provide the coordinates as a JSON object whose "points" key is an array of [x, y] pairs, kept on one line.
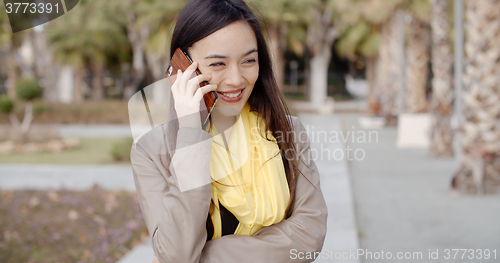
{"points": [[174, 201], [304, 231]]}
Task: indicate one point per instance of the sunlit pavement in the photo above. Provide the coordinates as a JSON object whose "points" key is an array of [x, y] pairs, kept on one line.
{"points": [[403, 203]]}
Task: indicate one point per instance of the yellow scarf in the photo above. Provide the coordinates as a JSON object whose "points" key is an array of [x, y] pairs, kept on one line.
{"points": [[254, 190]]}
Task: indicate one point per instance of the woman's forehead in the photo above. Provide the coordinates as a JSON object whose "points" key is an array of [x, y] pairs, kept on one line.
{"points": [[236, 39]]}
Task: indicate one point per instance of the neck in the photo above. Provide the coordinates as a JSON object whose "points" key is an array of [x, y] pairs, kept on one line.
{"points": [[222, 122]]}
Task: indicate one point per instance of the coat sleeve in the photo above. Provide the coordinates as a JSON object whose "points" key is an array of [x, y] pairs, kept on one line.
{"points": [[304, 231], [174, 201]]}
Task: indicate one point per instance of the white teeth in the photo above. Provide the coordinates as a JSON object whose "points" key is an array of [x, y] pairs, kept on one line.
{"points": [[232, 95]]}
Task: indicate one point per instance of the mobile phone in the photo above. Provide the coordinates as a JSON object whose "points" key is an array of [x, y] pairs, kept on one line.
{"points": [[181, 60]]}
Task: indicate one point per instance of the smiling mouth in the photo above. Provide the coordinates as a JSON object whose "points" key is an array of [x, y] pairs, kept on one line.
{"points": [[231, 95]]}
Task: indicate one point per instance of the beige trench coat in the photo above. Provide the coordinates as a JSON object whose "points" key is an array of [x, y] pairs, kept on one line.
{"points": [[176, 219]]}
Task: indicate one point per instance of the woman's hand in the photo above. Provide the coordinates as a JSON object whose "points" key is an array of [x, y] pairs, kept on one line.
{"points": [[187, 96], [155, 259]]}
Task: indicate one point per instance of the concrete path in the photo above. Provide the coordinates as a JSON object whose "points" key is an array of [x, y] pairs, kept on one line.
{"points": [[403, 203], [78, 177], [83, 131], [329, 154]]}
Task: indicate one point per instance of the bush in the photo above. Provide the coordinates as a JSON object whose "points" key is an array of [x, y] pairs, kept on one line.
{"points": [[6, 104], [28, 89], [120, 151], [39, 109]]}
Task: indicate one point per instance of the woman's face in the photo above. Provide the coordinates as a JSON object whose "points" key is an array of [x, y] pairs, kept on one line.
{"points": [[230, 56]]}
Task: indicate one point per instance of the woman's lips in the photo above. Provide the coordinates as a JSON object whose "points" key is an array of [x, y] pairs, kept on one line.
{"points": [[231, 99]]}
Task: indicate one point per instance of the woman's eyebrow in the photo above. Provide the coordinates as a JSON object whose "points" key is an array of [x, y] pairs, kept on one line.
{"points": [[221, 56]]}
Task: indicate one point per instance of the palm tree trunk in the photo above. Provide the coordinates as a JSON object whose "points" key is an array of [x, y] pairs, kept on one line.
{"points": [[480, 163], [442, 83], [388, 70], [418, 66], [78, 93], [370, 70], [12, 72], [137, 38], [98, 91]]}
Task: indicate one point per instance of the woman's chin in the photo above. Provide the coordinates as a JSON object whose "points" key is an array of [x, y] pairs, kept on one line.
{"points": [[226, 111]]}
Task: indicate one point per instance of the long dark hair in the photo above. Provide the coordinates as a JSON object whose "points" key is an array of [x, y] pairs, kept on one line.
{"points": [[200, 18]]}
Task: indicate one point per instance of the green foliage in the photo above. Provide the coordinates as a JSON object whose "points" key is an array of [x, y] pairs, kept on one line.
{"points": [[28, 89], [6, 104], [39, 109], [369, 46], [120, 151]]}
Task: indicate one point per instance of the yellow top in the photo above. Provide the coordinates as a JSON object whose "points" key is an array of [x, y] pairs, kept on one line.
{"points": [[250, 179]]}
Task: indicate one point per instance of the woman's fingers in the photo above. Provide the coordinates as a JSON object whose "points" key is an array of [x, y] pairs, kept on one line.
{"points": [[204, 90], [194, 83], [188, 73]]}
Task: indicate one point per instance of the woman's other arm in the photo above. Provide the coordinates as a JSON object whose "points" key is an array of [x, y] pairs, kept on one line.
{"points": [[174, 201], [304, 231]]}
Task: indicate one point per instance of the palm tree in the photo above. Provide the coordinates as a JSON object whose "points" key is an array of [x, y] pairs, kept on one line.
{"points": [[358, 42], [160, 17], [388, 68], [85, 44], [417, 56], [480, 164], [286, 29], [12, 42], [127, 13], [442, 83]]}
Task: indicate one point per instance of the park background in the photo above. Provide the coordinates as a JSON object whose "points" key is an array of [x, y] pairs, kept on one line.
{"points": [[423, 75]]}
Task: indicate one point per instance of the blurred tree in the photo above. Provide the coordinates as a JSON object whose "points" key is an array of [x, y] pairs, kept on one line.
{"points": [[85, 44], [160, 17], [28, 90], [11, 42], [441, 144], [371, 30], [417, 56], [322, 31], [286, 29], [359, 38], [387, 76], [480, 164], [127, 14]]}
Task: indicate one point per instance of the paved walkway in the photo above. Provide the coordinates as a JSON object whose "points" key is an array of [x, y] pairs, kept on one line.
{"points": [[84, 130], [403, 203], [78, 177]]}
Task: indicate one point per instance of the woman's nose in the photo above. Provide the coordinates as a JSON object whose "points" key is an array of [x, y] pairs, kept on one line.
{"points": [[234, 77]]}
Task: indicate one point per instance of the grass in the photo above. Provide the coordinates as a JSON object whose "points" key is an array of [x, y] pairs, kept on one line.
{"points": [[91, 151], [87, 112], [69, 226]]}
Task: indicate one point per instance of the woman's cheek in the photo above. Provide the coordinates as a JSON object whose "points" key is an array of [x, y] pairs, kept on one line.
{"points": [[252, 74]]}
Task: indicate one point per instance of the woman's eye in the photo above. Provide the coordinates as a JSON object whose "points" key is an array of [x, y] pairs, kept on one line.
{"points": [[216, 64], [251, 60]]}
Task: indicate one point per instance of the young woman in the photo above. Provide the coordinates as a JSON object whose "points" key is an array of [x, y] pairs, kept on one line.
{"points": [[245, 189]]}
